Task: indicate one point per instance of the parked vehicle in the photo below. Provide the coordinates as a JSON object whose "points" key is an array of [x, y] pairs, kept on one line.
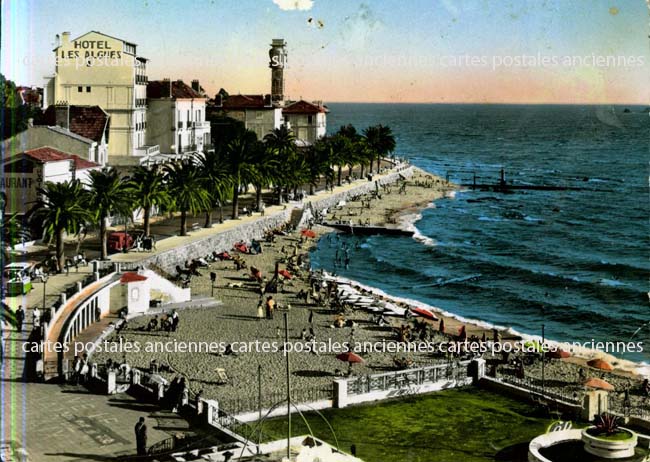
{"points": [[17, 279], [119, 241]]}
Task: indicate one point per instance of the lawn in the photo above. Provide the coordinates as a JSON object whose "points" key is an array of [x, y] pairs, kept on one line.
{"points": [[468, 425]]}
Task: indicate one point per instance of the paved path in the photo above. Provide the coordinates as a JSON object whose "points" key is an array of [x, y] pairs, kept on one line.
{"points": [[67, 423]]}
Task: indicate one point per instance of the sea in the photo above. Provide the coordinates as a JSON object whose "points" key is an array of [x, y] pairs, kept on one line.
{"points": [[573, 261]]}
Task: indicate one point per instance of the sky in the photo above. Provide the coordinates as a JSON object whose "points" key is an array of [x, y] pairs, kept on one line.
{"points": [[434, 51]]}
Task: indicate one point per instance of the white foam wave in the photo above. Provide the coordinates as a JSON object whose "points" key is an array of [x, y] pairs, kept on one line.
{"points": [[407, 222], [584, 352]]}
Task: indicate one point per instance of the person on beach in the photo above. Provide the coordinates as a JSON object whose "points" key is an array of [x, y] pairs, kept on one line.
{"points": [[260, 309], [270, 307]]}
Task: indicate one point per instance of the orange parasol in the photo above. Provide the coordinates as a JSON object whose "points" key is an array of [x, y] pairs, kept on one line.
{"points": [[558, 354], [598, 383], [600, 364]]}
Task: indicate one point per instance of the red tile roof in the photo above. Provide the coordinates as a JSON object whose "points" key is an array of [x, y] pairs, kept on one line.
{"points": [[87, 121], [48, 154], [180, 90], [132, 277], [246, 102], [304, 107]]}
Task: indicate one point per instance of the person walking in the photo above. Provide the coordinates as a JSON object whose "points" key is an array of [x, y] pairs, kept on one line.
{"points": [[36, 317], [270, 307], [260, 309], [311, 317], [20, 318], [141, 437]]}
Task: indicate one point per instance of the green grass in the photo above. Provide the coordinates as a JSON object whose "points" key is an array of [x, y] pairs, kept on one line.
{"points": [[469, 425]]}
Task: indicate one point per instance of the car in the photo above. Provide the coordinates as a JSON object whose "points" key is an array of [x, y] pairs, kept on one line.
{"points": [[119, 241], [17, 279]]}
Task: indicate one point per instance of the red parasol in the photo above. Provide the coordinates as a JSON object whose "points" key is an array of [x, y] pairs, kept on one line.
{"points": [[598, 383], [349, 357], [600, 364], [558, 354], [308, 233], [428, 314]]}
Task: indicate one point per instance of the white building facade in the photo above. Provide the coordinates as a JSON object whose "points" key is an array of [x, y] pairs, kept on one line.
{"points": [[97, 69], [176, 118]]}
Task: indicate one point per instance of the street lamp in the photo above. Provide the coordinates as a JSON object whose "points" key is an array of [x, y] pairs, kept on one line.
{"points": [[44, 291], [213, 279]]}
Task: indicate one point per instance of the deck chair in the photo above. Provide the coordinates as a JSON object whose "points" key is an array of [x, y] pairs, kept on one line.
{"points": [[222, 377]]}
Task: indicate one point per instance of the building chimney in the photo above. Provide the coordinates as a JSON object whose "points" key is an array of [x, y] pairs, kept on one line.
{"points": [[195, 86], [65, 38], [166, 90], [62, 115]]}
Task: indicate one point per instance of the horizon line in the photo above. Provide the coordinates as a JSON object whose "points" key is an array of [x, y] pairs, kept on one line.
{"points": [[647, 105]]}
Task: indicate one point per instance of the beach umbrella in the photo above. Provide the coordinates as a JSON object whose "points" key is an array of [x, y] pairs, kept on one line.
{"points": [[599, 384], [349, 357], [428, 314], [308, 233], [600, 364], [558, 354], [285, 274]]}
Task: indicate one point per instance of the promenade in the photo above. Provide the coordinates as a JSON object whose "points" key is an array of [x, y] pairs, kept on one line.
{"points": [[47, 422]]}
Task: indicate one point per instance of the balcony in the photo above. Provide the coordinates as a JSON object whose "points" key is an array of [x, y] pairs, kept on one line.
{"points": [[147, 150]]}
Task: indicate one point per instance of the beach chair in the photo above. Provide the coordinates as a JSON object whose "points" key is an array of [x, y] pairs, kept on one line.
{"points": [[222, 377]]}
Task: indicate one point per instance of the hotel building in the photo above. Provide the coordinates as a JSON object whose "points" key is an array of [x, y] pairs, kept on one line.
{"points": [[96, 69]]}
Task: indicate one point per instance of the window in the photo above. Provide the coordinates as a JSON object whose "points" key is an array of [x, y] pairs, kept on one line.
{"points": [[80, 89], [87, 89], [310, 119]]}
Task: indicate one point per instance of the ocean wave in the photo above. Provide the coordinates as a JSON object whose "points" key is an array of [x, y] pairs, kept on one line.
{"points": [[641, 368], [408, 221]]}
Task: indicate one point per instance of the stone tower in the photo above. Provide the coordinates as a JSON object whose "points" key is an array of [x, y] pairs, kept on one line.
{"points": [[278, 59]]}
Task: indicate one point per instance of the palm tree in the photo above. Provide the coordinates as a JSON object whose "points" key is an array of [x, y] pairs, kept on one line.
{"points": [[341, 148], [217, 180], [149, 190], [240, 158], [318, 161], [14, 231], [108, 194], [268, 168], [283, 142], [7, 315], [61, 208], [187, 188], [380, 142]]}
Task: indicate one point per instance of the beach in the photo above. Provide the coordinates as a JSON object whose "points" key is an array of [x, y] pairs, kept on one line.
{"points": [[258, 343]]}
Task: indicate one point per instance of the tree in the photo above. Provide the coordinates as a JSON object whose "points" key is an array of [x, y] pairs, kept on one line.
{"points": [[14, 231], [267, 167], [61, 208], [380, 141], [283, 142], [149, 190], [8, 316], [108, 194], [318, 161], [240, 159], [217, 181], [187, 188]]}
